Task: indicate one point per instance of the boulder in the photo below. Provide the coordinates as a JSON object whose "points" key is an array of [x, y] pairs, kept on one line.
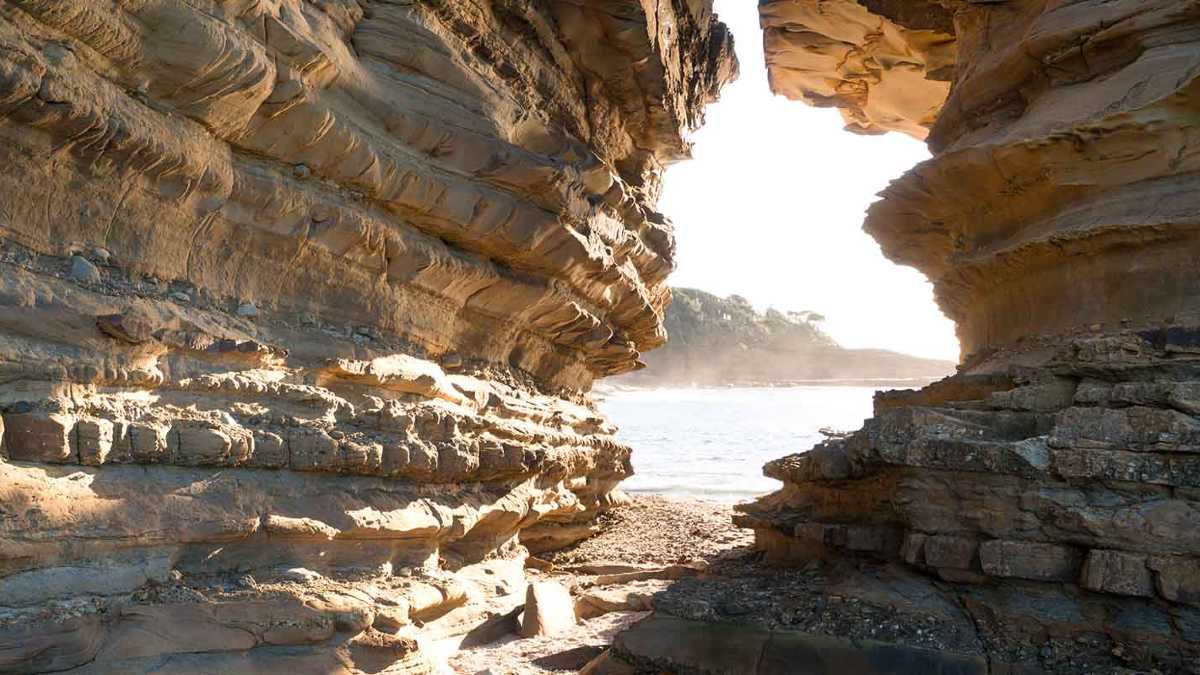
{"points": [[1117, 572], [549, 610]]}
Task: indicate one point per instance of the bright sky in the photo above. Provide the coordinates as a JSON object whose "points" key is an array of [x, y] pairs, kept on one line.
{"points": [[771, 208]]}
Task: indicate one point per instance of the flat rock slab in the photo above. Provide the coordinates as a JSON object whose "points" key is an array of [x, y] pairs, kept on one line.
{"points": [[683, 645]]}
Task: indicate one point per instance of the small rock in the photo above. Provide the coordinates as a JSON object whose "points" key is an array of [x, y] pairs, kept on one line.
{"points": [[549, 610], [101, 255], [84, 271], [301, 171], [452, 361], [300, 575], [180, 296], [128, 327], [247, 309], [390, 619]]}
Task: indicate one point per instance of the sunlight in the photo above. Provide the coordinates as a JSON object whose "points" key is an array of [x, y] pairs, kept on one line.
{"points": [[772, 204]]}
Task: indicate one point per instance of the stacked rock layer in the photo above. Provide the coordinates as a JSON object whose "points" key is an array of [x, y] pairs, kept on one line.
{"points": [[298, 303], [1054, 483]]}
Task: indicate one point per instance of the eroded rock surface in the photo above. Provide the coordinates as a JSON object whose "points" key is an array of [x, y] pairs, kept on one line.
{"points": [[298, 303], [1049, 488]]}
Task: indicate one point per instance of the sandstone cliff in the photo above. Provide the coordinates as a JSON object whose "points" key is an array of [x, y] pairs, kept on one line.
{"points": [[297, 302], [1051, 487], [721, 341]]}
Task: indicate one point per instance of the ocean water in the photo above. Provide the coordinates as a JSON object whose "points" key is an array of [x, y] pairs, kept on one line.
{"points": [[712, 443]]}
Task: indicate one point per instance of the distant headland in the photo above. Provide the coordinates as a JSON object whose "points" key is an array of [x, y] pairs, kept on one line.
{"points": [[717, 341]]}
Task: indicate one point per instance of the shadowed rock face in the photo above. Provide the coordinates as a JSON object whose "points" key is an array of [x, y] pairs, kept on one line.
{"points": [[885, 70], [305, 290], [1052, 483]]}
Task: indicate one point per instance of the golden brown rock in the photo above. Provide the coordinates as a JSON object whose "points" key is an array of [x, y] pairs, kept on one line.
{"points": [[885, 71], [238, 239], [1049, 487]]}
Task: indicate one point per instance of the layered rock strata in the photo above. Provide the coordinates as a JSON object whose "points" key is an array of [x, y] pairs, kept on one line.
{"points": [[1050, 486], [298, 303]]}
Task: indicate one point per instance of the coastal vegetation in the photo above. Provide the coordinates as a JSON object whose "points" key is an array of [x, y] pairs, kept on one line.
{"points": [[726, 341]]}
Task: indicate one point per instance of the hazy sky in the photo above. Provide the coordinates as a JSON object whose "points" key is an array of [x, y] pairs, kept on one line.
{"points": [[771, 208]]}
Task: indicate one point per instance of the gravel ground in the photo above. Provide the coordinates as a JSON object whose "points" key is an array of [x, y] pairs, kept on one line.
{"points": [[541, 655], [648, 532], [655, 530], [851, 599]]}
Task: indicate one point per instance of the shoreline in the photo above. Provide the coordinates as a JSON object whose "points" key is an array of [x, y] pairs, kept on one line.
{"points": [[606, 387], [641, 548], [659, 565]]}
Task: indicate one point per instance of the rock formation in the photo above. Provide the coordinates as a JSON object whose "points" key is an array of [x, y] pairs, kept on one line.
{"points": [[1051, 487], [722, 341], [298, 303]]}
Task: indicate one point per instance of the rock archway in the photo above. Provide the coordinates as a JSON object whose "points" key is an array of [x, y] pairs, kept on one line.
{"points": [[300, 299]]}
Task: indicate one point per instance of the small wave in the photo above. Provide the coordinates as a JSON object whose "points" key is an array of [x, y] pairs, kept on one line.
{"points": [[711, 494], [712, 443]]}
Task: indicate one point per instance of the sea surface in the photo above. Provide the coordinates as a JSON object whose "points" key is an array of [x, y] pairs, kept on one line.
{"points": [[712, 443]]}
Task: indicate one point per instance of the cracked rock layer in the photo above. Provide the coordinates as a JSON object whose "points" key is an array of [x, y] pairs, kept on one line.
{"points": [[1048, 487], [299, 300]]}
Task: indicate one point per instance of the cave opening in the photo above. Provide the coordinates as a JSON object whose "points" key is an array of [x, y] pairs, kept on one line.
{"points": [[302, 303], [786, 317]]}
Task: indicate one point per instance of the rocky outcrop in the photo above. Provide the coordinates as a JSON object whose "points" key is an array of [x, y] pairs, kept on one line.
{"points": [[1048, 487], [725, 341], [298, 300]]}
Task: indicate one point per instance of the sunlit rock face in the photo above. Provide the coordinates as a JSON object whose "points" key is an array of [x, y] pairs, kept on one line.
{"points": [[297, 294], [1053, 483], [1057, 200], [885, 69]]}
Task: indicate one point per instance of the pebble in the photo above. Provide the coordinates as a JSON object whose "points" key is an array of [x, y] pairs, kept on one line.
{"points": [[299, 574], [247, 309], [101, 255], [83, 270]]}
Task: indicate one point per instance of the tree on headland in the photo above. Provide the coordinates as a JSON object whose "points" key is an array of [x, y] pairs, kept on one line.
{"points": [[807, 316]]}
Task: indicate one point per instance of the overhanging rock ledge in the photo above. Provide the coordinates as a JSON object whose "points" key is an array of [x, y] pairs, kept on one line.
{"points": [[1052, 486], [299, 304]]}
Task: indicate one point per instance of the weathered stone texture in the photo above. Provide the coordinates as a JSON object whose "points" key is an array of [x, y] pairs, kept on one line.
{"points": [[308, 293], [1053, 481]]}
